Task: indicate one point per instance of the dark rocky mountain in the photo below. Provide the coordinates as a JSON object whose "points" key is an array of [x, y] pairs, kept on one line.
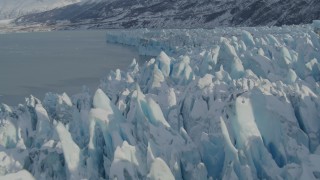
{"points": [[179, 14]]}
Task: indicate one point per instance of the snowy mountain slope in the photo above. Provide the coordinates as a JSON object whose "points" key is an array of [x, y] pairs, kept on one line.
{"points": [[10, 9], [227, 103], [182, 14]]}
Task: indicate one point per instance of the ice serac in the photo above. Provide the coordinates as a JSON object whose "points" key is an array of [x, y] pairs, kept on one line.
{"points": [[181, 71], [248, 39], [23, 174], [229, 59], [159, 171], [164, 63], [71, 152], [126, 163], [248, 139], [105, 134], [43, 124], [150, 110], [243, 124], [59, 107], [8, 133], [226, 103]]}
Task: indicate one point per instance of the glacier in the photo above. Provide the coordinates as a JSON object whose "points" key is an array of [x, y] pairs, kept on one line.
{"points": [[224, 103]]}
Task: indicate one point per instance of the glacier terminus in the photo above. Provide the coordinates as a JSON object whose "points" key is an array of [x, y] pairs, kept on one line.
{"points": [[223, 103]]}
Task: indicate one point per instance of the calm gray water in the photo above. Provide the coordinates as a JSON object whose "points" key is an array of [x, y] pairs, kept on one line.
{"points": [[39, 62]]}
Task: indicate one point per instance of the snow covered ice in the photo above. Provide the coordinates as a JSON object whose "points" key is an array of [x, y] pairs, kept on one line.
{"points": [[226, 103]]}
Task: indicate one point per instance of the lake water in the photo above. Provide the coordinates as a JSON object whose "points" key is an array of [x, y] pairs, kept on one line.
{"points": [[63, 61]]}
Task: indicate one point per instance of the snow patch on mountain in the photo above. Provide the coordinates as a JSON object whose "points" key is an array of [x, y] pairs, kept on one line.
{"points": [[10, 9]]}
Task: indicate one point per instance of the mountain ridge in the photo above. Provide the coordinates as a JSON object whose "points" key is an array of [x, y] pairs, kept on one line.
{"points": [[179, 14]]}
